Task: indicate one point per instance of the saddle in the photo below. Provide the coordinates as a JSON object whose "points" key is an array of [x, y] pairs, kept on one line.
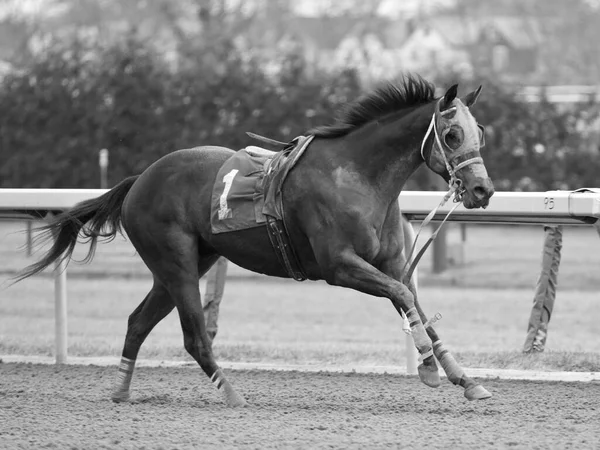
{"points": [[248, 192]]}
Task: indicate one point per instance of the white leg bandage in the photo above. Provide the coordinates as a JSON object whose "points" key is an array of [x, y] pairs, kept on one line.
{"points": [[422, 341], [125, 374]]}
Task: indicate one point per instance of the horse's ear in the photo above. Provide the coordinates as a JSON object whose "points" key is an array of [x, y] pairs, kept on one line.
{"points": [[449, 96], [472, 97]]}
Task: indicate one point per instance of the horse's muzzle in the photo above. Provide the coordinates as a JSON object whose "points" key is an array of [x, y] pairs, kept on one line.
{"points": [[478, 193]]}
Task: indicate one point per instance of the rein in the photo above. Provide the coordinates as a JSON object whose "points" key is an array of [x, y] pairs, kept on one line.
{"points": [[455, 188]]}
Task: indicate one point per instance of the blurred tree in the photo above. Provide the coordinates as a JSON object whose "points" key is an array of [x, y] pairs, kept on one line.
{"points": [[74, 100], [355, 8]]}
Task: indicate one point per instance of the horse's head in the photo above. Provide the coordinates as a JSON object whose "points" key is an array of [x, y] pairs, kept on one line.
{"points": [[455, 144]]}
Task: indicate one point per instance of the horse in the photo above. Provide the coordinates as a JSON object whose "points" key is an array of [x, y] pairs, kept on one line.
{"points": [[340, 219]]}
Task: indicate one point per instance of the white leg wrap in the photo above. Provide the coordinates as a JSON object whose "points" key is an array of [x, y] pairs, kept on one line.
{"points": [[454, 372], [218, 378], [425, 355], [232, 398], [124, 375], [422, 341]]}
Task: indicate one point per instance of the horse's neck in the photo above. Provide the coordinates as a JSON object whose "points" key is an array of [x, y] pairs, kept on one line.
{"points": [[387, 153]]}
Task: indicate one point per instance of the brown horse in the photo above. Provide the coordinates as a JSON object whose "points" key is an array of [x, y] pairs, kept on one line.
{"points": [[340, 204]]}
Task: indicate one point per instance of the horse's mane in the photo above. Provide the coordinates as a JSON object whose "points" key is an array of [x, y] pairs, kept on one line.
{"points": [[410, 90]]}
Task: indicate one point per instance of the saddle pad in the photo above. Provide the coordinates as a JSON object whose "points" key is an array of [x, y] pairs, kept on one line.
{"points": [[237, 197]]}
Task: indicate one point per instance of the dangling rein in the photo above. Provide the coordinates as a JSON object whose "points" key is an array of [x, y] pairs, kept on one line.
{"points": [[454, 189]]}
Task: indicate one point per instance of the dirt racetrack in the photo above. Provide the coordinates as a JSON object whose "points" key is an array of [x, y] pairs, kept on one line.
{"points": [[44, 406]]}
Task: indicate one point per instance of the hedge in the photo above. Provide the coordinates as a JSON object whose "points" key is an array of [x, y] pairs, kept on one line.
{"points": [[74, 100]]}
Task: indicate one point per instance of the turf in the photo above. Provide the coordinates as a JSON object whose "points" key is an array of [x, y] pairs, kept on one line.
{"points": [[313, 323], [485, 306]]}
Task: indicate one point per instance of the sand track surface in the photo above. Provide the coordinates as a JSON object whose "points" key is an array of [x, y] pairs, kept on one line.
{"points": [[43, 406]]}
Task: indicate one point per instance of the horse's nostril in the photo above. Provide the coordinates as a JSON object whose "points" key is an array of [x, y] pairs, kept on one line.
{"points": [[480, 192]]}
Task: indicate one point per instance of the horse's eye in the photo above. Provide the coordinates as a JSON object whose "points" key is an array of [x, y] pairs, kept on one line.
{"points": [[481, 135], [454, 137]]}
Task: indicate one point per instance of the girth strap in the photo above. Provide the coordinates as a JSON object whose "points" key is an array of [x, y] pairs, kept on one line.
{"points": [[286, 255], [276, 171]]}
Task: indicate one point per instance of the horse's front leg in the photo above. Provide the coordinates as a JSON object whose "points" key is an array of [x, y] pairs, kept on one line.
{"points": [[455, 373], [347, 269]]}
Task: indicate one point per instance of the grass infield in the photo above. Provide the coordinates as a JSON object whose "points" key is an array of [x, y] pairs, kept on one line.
{"points": [[485, 305]]}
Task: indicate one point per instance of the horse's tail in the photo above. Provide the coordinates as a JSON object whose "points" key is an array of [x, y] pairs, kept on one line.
{"points": [[102, 216]]}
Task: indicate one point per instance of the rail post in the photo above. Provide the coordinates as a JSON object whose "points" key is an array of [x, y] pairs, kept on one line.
{"points": [[545, 292], [215, 287], [60, 309], [411, 351], [103, 163], [29, 238], [439, 247], [440, 251]]}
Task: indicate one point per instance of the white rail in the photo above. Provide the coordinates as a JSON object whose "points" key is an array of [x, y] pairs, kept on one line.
{"points": [[552, 207]]}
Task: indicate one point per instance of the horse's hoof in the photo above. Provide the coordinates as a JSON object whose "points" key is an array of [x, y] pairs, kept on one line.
{"points": [[236, 402], [429, 376], [120, 397], [477, 392]]}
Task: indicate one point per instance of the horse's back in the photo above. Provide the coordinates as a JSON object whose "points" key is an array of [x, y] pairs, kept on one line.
{"points": [[186, 168], [199, 158]]}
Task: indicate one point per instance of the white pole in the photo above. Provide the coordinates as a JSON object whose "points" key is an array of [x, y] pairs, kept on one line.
{"points": [[411, 350], [60, 311], [103, 163], [60, 308]]}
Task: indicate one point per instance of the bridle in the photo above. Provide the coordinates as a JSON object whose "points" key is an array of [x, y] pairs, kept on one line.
{"points": [[441, 143], [455, 188]]}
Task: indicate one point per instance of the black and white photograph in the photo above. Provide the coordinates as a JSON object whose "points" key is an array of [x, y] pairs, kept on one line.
{"points": [[299, 224]]}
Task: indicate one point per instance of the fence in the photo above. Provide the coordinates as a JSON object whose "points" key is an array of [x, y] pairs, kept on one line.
{"points": [[552, 208]]}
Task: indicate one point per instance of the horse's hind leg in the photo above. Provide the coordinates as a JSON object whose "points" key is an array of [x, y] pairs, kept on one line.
{"points": [[178, 265], [185, 291], [155, 307]]}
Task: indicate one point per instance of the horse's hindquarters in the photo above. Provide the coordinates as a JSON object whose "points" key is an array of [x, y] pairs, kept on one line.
{"points": [[172, 197]]}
